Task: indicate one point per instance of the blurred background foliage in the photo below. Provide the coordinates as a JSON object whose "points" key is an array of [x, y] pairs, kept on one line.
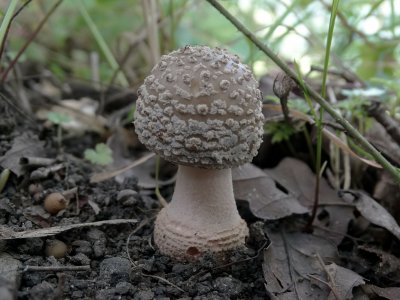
{"points": [[366, 37]]}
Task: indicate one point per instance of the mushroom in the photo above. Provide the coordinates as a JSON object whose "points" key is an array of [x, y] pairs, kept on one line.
{"points": [[200, 108]]}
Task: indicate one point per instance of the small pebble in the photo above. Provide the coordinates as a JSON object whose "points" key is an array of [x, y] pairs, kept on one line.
{"points": [[123, 288], [145, 295], [56, 248], [80, 259], [77, 294], [43, 290], [115, 269], [83, 247], [54, 203]]}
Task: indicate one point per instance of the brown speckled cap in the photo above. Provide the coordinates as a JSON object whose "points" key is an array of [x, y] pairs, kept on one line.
{"points": [[201, 107]]}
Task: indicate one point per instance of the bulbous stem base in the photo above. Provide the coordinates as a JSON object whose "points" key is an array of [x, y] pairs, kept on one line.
{"points": [[202, 216]]}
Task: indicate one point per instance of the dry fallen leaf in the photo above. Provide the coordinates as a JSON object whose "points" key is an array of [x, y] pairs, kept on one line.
{"points": [[265, 199], [344, 280], [298, 179], [301, 266], [292, 268], [23, 146], [372, 211]]}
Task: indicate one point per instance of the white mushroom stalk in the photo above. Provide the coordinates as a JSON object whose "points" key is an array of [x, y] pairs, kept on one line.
{"points": [[200, 108]]}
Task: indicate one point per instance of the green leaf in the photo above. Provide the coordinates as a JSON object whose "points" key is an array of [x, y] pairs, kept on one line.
{"points": [[101, 155], [58, 118], [279, 131]]}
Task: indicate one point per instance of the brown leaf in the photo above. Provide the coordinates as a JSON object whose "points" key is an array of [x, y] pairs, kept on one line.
{"points": [[266, 201], [23, 145], [344, 280], [291, 265], [298, 179], [372, 211]]}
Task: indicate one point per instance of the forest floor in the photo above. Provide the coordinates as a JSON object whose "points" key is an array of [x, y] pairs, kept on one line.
{"points": [[100, 245]]}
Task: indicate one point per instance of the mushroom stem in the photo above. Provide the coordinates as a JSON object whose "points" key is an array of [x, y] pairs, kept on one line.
{"points": [[202, 215]]}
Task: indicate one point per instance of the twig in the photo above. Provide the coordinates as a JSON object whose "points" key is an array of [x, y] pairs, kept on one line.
{"points": [[36, 161], [346, 75], [308, 89], [107, 175], [330, 278], [163, 280], [29, 41], [55, 268]]}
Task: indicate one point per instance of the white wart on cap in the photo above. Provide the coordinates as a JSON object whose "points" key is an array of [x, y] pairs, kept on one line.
{"points": [[201, 107]]}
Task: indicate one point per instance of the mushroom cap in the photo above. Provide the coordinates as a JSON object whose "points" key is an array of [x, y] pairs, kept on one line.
{"points": [[201, 107]]}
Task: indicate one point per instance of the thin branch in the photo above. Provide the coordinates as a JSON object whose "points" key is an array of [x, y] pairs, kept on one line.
{"points": [[314, 94], [332, 284], [55, 268]]}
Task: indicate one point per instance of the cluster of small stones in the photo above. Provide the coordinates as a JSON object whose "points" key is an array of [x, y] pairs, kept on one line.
{"points": [[200, 106], [183, 242]]}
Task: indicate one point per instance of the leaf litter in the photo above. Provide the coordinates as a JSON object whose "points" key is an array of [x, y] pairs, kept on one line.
{"points": [[291, 265], [302, 266]]}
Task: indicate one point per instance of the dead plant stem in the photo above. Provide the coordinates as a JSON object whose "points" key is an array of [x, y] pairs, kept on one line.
{"points": [[55, 268]]}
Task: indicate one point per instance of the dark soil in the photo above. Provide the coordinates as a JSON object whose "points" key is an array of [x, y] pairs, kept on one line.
{"points": [[124, 263]]}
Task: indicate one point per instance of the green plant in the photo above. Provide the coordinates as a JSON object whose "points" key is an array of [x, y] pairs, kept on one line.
{"points": [[58, 119], [6, 21], [101, 155], [354, 108], [279, 131]]}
